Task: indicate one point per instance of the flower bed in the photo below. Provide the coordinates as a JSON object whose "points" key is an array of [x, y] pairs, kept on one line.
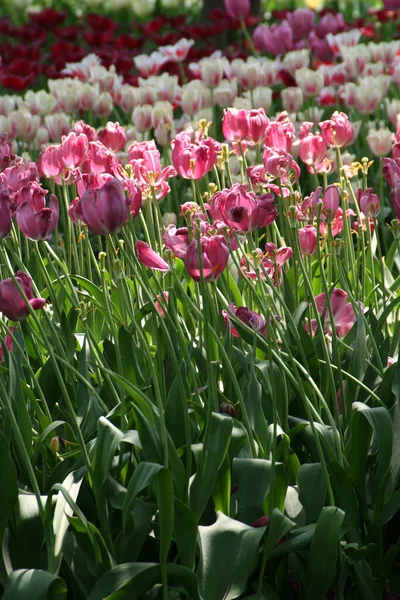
{"points": [[199, 296]]}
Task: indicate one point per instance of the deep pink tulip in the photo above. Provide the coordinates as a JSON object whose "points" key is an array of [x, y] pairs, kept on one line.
{"points": [[90, 181], [276, 39], [20, 175], [301, 22], [312, 149], [331, 23], [268, 263], [49, 164], [248, 317], [215, 254], [36, 220], [320, 47], [149, 173], [193, 160], [88, 130], [177, 240], [7, 158], [369, 202], [237, 9], [99, 158], [330, 200], [391, 171], [149, 258], [7, 343], [113, 136], [5, 215], [308, 239], [105, 210], [12, 304], [337, 131], [280, 135], [241, 210], [137, 149], [342, 311], [235, 124], [257, 123], [73, 150], [280, 164], [134, 196], [391, 4], [395, 200]]}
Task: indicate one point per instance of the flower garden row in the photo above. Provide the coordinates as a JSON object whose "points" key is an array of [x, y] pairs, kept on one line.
{"points": [[199, 290]]}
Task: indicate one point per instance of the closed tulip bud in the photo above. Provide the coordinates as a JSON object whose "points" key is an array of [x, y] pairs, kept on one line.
{"points": [[331, 200], [104, 105], [292, 99], [12, 304], [235, 124], [312, 149], [214, 258], [142, 117], [105, 210], [308, 239], [49, 164], [112, 136], [380, 141], [73, 150], [237, 9], [337, 131]]}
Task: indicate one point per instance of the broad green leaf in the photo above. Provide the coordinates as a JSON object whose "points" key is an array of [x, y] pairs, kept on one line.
{"points": [[185, 533], [228, 556], [323, 552], [213, 454], [278, 526], [138, 578], [142, 477], [34, 584], [107, 441], [346, 499], [312, 490], [253, 478], [8, 488]]}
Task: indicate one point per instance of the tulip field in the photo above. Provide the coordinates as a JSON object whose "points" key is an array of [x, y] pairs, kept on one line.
{"points": [[199, 300]]}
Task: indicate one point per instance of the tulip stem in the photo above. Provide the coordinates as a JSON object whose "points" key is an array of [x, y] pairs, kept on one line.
{"points": [[248, 37]]}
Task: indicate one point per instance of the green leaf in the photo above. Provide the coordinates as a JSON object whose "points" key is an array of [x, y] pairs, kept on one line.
{"points": [[278, 526], [62, 511], [143, 476], [34, 584], [8, 488], [212, 457], [185, 533], [358, 362], [312, 490], [107, 441], [253, 478], [228, 556], [346, 499], [141, 577], [323, 552]]}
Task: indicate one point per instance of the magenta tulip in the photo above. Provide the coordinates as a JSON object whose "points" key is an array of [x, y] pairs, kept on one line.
{"points": [[337, 131], [214, 258], [49, 164], [193, 160], [105, 210], [36, 220], [343, 313], [113, 136], [308, 239], [237, 9], [248, 317], [177, 240], [12, 304], [149, 258], [369, 202]]}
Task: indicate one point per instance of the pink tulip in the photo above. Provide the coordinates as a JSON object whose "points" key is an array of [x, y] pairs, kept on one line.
{"points": [[268, 263], [395, 200], [280, 135], [276, 39], [73, 150], [178, 52], [177, 240], [134, 196], [308, 239], [113, 136], [8, 343], [7, 158], [12, 304], [391, 170], [88, 130], [248, 317], [20, 175], [337, 131], [280, 164], [301, 22], [214, 254], [237, 9], [330, 200], [149, 173], [192, 161], [257, 123], [35, 219], [343, 312], [99, 158], [49, 164], [241, 210], [105, 210], [149, 258], [5, 215], [235, 124], [312, 149], [369, 202]]}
